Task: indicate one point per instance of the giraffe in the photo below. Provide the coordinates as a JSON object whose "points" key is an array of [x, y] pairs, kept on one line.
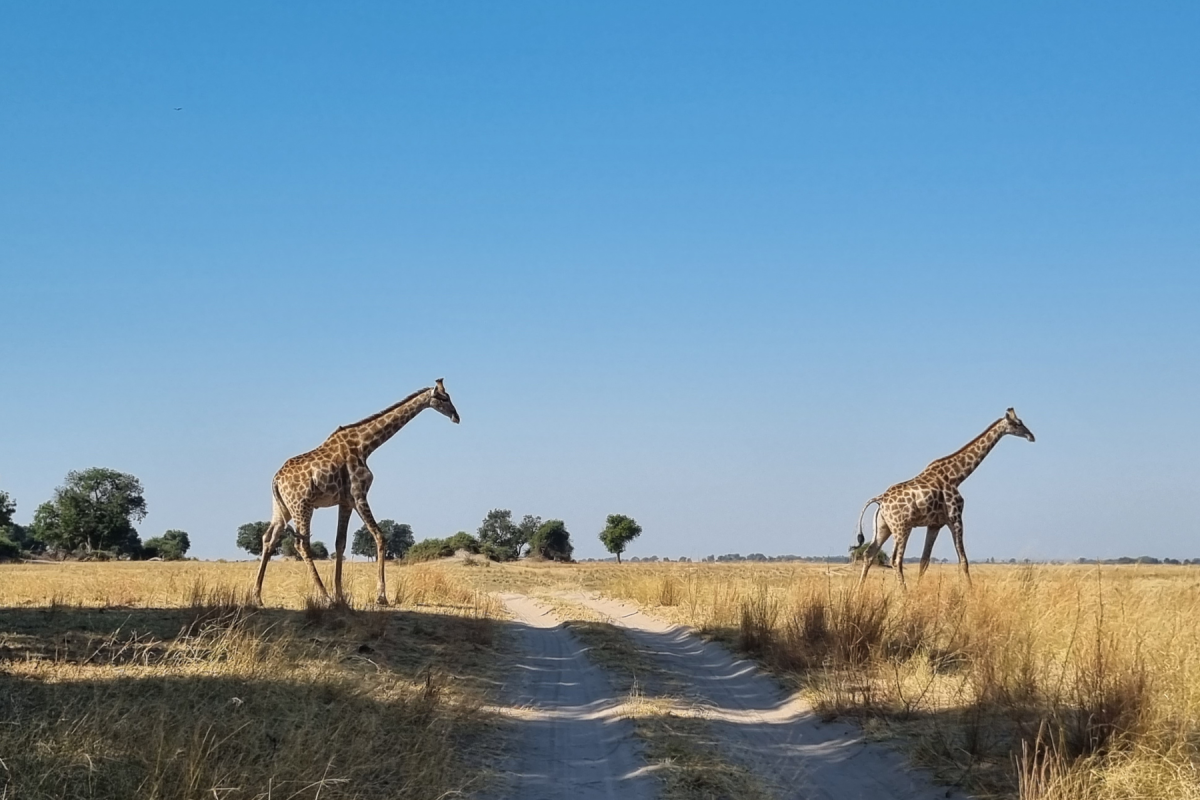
{"points": [[932, 499], [336, 474]]}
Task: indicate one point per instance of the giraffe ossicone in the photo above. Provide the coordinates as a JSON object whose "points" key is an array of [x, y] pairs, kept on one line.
{"points": [[932, 500], [336, 474]]}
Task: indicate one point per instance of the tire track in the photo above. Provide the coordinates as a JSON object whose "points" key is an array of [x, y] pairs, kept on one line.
{"points": [[571, 742]]}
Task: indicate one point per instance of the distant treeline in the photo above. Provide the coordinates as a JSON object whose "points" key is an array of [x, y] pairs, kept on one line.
{"points": [[91, 516]]}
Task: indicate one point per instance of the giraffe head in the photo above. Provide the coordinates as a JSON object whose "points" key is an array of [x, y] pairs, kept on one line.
{"points": [[440, 399], [1016, 427]]}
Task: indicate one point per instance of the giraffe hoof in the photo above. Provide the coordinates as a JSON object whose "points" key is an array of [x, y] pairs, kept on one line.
{"points": [[381, 601]]}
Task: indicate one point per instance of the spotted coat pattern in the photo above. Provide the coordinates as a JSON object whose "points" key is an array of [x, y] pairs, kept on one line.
{"points": [[336, 474], [932, 500]]}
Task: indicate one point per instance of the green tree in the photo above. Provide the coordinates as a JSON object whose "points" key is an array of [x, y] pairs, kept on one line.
{"points": [[551, 541], [526, 528], [8, 507], [287, 547], [10, 532], [319, 551], [397, 538], [502, 540], [858, 552], [249, 537], [463, 541], [428, 549], [619, 531], [171, 546], [93, 510]]}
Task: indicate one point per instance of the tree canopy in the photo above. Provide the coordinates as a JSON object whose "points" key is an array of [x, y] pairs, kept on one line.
{"points": [[427, 549], [397, 538], [503, 540], [8, 507], [463, 541], [551, 541], [171, 546], [93, 510], [619, 531], [10, 548], [249, 537]]}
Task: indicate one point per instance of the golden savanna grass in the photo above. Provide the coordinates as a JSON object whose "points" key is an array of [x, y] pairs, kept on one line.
{"points": [[156, 681], [1047, 682]]}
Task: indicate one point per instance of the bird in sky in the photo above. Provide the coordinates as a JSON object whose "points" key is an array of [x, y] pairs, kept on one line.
{"points": [[179, 109]]}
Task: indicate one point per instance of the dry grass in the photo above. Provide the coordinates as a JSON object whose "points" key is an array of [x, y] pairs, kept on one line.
{"points": [[155, 681], [1044, 682]]}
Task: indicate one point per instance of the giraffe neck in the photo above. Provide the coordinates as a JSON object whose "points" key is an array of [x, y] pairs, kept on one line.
{"points": [[958, 466], [374, 431]]}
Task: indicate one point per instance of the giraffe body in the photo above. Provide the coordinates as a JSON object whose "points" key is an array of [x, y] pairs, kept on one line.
{"points": [[336, 474], [932, 500]]}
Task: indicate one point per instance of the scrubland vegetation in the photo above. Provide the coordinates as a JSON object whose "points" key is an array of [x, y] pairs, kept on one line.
{"points": [[1044, 682], [155, 681]]}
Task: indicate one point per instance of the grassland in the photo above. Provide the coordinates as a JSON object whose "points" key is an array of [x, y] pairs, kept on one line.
{"points": [[155, 681], [1043, 682]]}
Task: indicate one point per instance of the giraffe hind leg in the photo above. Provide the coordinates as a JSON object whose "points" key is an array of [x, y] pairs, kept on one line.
{"points": [[931, 534], [898, 554], [303, 525], [882, 532], [270, 539]]}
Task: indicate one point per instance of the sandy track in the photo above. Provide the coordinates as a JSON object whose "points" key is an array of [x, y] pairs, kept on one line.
{"points": [[776, 736], [570, 741]]}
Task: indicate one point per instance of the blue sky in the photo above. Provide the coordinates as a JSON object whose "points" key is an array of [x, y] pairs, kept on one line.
{"points": [[731, 269]]}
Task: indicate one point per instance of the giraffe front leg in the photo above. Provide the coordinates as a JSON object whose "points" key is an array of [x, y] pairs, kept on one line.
{"points": [[364, 511], [339, 547], [931, 533], [956, 531]]}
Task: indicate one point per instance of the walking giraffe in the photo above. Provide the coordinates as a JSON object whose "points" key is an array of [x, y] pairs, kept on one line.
{"points": [[336, 474], [932, 499]]}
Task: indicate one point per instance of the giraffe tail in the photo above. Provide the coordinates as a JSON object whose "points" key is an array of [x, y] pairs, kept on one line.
{"points": [[862, 514], [280, 512]]}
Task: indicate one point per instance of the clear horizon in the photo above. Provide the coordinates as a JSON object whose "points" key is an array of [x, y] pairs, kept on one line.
{"points": [[728, 271]]}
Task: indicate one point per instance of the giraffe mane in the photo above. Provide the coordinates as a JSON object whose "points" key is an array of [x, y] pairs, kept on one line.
{"points": [[387, 410], [966, 446]]}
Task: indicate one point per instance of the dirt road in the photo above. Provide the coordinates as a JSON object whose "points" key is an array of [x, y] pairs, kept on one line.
{"points": [[574, 746]]}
